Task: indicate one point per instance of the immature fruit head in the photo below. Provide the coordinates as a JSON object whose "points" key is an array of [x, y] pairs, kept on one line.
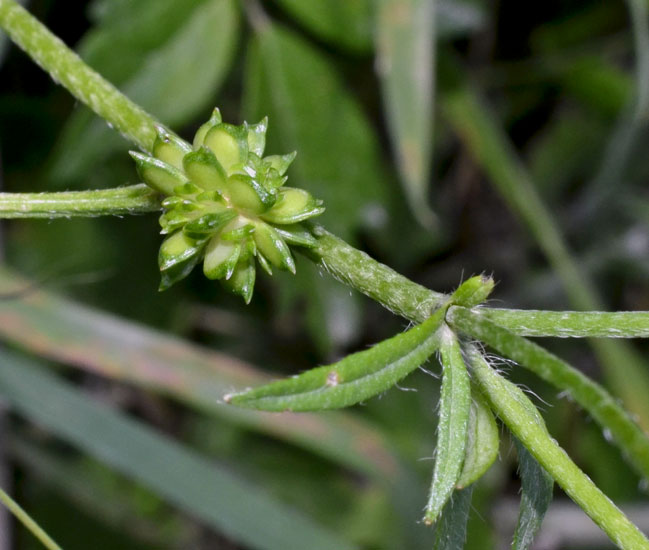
{"points": [[226, 204]]}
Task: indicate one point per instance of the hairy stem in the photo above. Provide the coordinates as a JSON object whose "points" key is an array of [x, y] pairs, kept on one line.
{"points": [[68, 69], [28, 522], [381, 283], [506, 401], [571, 324], [591, 396], [134, 199]]}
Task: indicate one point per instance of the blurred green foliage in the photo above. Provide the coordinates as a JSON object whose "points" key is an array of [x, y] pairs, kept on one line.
{"points": [[562, 81]]}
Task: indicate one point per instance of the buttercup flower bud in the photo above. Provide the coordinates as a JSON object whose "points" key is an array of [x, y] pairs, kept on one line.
{"points": [[226, 204]]}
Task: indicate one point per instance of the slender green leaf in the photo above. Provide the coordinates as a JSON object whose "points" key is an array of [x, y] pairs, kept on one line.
{"points": [[482, 442], [198, 486], [166, 84], [454, 405], [357, 377], [536, 495], [66, 331], [27, 521], [515, 410], [589, 395], [450, 532], [405, 38], [571, 324]]}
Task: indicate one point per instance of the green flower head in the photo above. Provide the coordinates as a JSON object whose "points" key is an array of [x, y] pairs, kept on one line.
{"points": [[226, 204]]}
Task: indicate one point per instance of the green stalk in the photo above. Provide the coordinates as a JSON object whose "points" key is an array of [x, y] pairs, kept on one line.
{"points": [[68, 69], [591, 396], [134, 199], [571, 324], [506, 401], [28, 522], [381, 283]]}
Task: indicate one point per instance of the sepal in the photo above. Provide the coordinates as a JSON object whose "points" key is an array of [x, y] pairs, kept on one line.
{"points": [[229, 143], [257, 136], [170, 148], [157, 174], [292, 206]]}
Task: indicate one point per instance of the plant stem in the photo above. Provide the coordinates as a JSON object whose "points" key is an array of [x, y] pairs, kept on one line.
{"points": [[553, 458], [570, 324], [134, 199], [28, 522], [68, 69], [381, 283], [591, 396]]}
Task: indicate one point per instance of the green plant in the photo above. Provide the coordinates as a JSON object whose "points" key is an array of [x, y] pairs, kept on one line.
{"points": [[198, 213]]}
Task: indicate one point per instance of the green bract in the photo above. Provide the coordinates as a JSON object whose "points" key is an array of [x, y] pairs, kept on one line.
{"points": [[226, 204]]}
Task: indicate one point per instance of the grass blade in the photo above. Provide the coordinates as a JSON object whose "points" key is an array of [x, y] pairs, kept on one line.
{"points": [[107, 497], [406, 65], [357, 377], [181, 476], [85, 338], [536, 495], [28, 522], [450, 533], [454, 405], [589, 395]]}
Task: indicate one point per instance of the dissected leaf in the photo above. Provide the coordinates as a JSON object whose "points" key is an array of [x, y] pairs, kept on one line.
{"points": [[482, 442], [454, 405], [520, 415], [450, 532], [357, 377], [184, 478], [587, 393], [405, 39], [165, 84], [536, 495]]}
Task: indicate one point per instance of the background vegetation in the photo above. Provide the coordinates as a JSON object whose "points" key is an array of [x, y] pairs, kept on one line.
{"points": [[116, 436]]}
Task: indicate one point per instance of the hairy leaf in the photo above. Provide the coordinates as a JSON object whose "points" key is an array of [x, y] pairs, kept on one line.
{"points": [[357, 377], [454, 405], [482, 441], [601, 405]]}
